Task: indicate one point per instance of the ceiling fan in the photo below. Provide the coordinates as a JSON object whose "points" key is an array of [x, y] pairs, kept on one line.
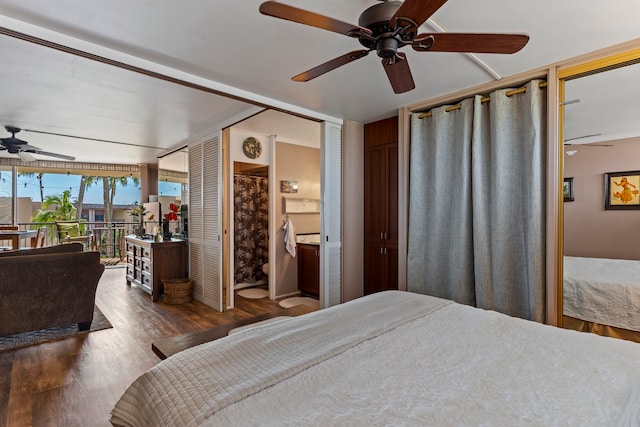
{"points": [[389, 26], [567, 142], [25, 151]]}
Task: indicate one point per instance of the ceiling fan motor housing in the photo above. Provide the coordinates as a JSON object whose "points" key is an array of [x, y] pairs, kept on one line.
{"points": [[12, 143], [12, 129], [384, 39]]}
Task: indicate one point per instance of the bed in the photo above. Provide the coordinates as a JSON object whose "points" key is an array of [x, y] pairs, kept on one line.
{"points": [[603, 293], [392, 358]]}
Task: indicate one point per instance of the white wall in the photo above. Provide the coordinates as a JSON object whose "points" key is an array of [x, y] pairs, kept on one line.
{"points": [[24, 210], [287, 128], [301, 164]]}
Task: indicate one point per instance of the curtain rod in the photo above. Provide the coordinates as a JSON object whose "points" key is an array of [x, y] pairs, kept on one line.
{"points": [[483, 100], [254, 174]]}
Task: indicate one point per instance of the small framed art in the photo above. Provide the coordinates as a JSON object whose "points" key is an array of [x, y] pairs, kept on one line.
{"points": [[288, 186], [621, 190], [567, 189]]}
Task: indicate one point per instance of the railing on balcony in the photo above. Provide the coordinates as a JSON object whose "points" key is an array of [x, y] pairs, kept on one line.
{"points": [[108, 238], [105, 242]]}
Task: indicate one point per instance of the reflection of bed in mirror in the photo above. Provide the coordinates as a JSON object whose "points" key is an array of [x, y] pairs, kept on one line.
{"points": [[602, 135], [392, 358], [602, 295]]}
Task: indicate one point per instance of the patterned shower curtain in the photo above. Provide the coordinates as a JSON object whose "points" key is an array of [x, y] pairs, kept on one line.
{"points": [[251, 227]]}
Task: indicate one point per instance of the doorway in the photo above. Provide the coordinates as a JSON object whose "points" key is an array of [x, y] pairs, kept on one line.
{"points": [[250, 226], [285, 144]]}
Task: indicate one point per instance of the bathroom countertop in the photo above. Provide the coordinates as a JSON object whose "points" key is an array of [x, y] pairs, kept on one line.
{"points": [[308, 239]]}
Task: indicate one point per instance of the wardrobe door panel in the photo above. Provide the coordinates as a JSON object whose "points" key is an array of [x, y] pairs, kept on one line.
{"points": [[375, 273], [392, 193], [381, 206], [391, 256], [375, 193]]}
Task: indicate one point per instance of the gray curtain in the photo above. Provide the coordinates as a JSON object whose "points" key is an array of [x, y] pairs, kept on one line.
{"points": [[440, 219], [251, 227], [477, 203]]}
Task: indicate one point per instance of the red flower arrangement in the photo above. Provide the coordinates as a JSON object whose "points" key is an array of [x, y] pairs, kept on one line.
{"points": [[173, 215]]}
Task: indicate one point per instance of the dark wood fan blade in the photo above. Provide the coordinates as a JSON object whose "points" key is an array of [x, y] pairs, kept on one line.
{"points": [[399, 73], [330, 65], [469, 42], [417, 10], [290, 13]]}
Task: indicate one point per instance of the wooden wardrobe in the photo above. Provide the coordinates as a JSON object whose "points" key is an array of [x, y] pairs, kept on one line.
{"points": [[381, 205]]}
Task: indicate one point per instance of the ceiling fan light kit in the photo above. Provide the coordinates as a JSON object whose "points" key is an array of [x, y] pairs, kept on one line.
{"points": [[25, 156], [389, 26]]}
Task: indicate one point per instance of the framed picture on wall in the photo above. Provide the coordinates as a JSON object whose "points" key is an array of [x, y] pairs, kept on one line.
{"points": [[567, 189], [621, 190], [287, 186]]}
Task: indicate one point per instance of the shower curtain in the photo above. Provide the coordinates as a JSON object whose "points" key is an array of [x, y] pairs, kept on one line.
{"points": [[251, 227]]}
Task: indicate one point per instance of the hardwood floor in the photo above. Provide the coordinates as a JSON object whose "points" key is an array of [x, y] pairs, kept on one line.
{"points": [[77, 380]]}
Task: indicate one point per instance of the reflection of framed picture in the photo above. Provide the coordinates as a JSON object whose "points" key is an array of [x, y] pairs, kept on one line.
{"points": [[567, 189], [621, 190]]}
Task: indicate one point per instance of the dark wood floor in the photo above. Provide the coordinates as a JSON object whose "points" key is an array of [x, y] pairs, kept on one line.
{"points": [[77, 380]]}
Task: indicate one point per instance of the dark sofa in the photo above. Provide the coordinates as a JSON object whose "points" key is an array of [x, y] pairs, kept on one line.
{"points": [[47, 287]]}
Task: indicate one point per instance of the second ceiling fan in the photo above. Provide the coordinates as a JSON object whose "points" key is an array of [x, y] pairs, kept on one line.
{"points": [[23, 149], [389, 26]]}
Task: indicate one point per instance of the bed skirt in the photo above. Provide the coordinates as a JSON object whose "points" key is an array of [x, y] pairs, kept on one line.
{"points": [[569, 322]]}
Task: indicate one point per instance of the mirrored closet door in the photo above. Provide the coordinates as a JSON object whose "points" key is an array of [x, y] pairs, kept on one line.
{"points": [[601, 191]]}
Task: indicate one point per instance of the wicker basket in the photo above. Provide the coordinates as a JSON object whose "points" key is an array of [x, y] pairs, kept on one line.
{"points": [[177, 291]]}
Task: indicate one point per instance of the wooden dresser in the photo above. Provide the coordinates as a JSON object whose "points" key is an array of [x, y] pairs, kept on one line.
{"points": [[149, 262]]}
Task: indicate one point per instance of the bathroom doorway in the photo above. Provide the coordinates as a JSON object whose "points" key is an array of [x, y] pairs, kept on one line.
{"points": [[251, 227], [290, 151]]}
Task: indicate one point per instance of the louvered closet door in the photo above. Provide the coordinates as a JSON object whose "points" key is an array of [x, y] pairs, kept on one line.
{"points": [[205, 222], [331, 228], [196, 225]]}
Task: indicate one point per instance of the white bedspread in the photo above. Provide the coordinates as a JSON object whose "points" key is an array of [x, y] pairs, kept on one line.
{"points": [[439, 365], [187, 388], [605, 291]]}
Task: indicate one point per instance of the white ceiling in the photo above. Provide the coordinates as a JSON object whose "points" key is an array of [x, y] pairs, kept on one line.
{"points": [[228, 45], [603, 106]]}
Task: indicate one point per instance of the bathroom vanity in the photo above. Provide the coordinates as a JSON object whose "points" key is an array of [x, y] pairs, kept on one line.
{"points": [[308, 247], [149, 262]]}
